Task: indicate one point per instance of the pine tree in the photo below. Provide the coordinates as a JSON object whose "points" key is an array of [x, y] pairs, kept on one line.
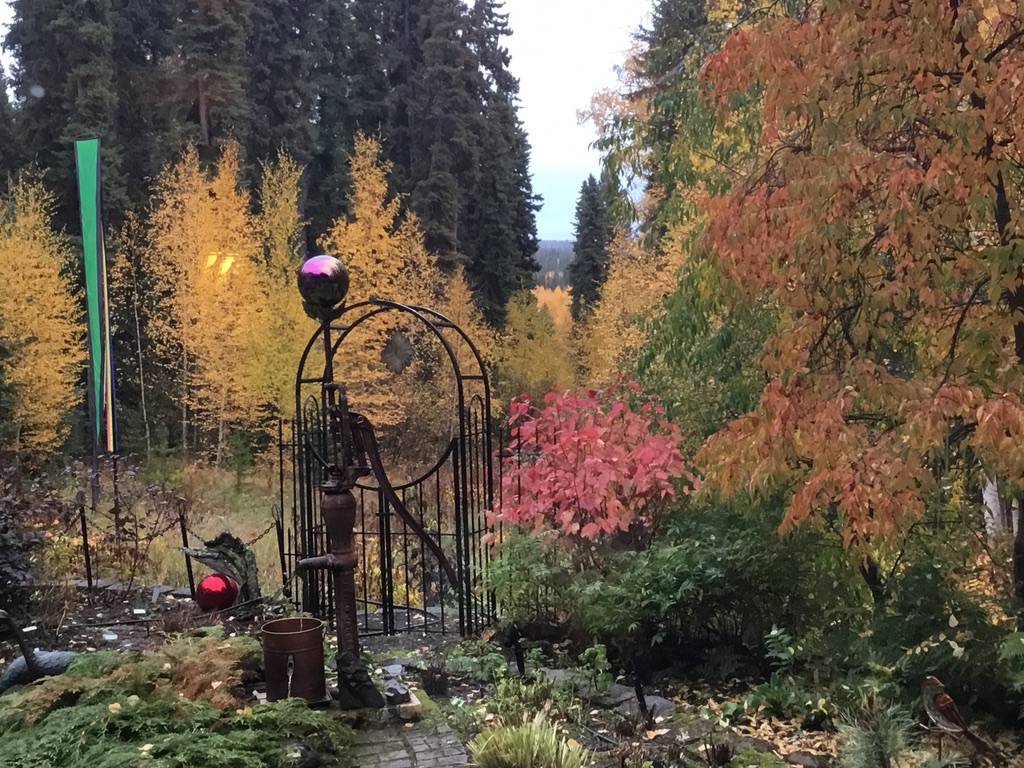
{"points": [[499, 235], [8, 145], [445, 111], [151, 119], [589, 266], [357, 76]]}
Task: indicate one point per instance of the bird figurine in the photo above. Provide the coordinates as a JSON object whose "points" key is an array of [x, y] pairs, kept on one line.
{"points": [[31, 665], [945, 715]]}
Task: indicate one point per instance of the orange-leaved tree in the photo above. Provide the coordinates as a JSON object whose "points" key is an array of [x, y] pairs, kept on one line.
{"points": [[884, 217]]}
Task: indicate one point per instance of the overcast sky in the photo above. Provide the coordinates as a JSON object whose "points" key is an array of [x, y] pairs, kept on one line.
{"points": [[562, 52]]}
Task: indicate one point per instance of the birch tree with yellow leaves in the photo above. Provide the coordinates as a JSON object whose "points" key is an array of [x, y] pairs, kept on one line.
{"points": [[39, 322]]}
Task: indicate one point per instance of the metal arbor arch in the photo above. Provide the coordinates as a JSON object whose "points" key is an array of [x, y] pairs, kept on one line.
{"points": [[405, 581]]}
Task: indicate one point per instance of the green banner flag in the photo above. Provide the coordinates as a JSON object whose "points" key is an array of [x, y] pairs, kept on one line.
{"points": [[101, 364]]}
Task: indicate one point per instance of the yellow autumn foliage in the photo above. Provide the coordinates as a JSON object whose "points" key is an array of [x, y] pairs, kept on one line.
{"points": [[385, 256], [38, 322], [558, 302], [533, 354], [638, 282], [205, 253], [284, 328], [382, 248]]}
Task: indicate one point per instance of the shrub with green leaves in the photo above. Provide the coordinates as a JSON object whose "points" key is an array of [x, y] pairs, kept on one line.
{"points": [[530, 578], [717, 575]]}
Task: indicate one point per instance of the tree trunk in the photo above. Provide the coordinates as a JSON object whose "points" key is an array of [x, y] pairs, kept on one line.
{"points": [[873, 578], [221, 425], [204, 111], [138, 350], [1016, 305], [1018, 557], [184, 404]]}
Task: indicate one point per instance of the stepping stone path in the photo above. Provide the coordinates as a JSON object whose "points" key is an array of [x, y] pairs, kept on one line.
{"points": [[404, 747]]}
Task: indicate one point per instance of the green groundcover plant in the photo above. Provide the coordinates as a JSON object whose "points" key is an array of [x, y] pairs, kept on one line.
{"points": [[117, 710]]}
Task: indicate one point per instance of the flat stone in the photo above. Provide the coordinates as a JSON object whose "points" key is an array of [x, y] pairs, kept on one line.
{"points": [[395, 670], [696, 730], [806, 759], [448, 761], [406, 663], [614, 695]]}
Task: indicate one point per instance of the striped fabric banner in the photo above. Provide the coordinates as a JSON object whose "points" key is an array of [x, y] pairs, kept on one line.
{"points": [[101, 364]]}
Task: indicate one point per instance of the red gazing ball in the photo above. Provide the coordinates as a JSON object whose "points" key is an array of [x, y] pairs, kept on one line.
{"points": [[216, 592]]}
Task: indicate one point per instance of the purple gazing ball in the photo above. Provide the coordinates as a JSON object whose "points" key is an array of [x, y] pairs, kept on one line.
{"points": [[323, 283]]}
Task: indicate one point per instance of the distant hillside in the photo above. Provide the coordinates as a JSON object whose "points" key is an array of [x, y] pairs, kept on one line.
{"points": [[554, 256]]}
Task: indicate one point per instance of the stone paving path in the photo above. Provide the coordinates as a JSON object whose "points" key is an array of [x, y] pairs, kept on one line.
{"points": [[403, 747]]}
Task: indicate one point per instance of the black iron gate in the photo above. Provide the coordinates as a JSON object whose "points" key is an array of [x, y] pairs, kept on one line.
{"points": [[402, 585]]}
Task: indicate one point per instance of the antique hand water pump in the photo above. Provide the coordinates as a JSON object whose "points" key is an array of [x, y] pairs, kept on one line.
{"points": [[323, 283], [353, 454]]}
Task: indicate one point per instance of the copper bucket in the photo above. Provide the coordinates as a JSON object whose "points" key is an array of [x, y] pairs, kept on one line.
{"points": [[293, 658]]}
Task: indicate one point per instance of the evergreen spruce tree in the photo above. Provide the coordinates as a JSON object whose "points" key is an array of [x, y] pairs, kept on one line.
{"points": [[404, 25], [150, 120], [499, 235], [589, 266], [211, 41], [282, 47], [64, 82], [8, 145], [445, 111], [357, 72]]}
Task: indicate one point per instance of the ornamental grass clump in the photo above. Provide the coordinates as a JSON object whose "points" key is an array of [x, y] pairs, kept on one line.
{"points": [[533, 744]]}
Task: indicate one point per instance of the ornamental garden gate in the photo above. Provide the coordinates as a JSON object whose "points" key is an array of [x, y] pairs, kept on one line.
{"points": [[420, 381]]}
